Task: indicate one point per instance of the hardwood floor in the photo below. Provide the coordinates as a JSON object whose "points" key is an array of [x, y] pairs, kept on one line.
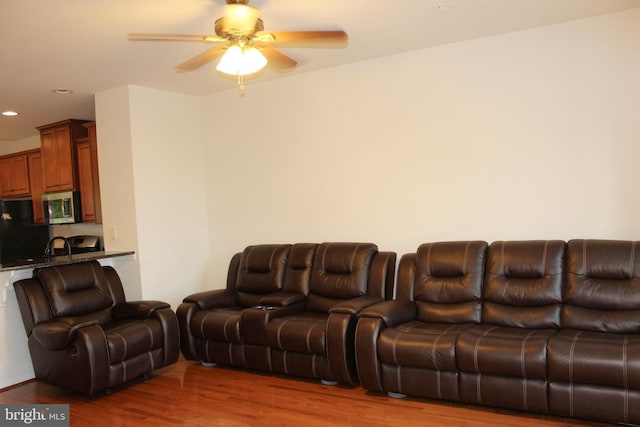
{"points": [[188, 394]]}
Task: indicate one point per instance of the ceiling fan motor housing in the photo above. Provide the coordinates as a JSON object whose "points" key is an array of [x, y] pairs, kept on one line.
{"points": [[224, 30]]}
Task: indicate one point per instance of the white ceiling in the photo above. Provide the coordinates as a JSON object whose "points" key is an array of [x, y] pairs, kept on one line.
{"points": [[82, 45]]}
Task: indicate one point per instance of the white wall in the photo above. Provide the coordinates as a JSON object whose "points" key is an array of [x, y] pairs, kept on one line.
{"points": [[169, 185], [117, 188], [152, 186], [31, 143], [528, 135]]}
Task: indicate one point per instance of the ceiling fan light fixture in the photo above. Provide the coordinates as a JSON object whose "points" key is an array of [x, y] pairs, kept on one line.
{"points": [[241, 61]]}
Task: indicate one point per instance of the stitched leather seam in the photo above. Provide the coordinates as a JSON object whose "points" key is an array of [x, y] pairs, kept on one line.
{"points": [[571, 360], [206, 316], [625, 372], [308, 337], [523, 368], [284, 322], [475, 362], [224, 329], [394, 348]]}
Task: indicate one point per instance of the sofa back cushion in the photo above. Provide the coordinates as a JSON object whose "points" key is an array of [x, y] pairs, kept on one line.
{"points": [[298, 272], [261, 271], [524, 283], [448, 281], [340, 271], [603, 286], [76, 289]]}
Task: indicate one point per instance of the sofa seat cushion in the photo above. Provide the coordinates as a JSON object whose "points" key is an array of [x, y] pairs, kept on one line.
{"points": [[130, 338], [219, 324], [301, 333], [421, 345], [596, 358], [504, 351]]}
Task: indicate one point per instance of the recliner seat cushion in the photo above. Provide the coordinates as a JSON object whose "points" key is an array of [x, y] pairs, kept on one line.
{"points": [[220, 324], [596, 358], [509, 352], [421, 345], [130, 338], [302, 333]]}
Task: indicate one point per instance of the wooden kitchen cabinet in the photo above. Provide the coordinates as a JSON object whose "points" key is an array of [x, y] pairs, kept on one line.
{"points": [[88, 177], [58, 154], [14, 176], [36, 183]]}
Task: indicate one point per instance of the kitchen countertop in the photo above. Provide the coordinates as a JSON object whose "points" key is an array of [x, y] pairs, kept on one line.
{"points": [[62, 259]]}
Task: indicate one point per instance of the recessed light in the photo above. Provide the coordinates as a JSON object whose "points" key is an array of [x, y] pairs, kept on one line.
{"points": [[9, 113], [62, 91]]}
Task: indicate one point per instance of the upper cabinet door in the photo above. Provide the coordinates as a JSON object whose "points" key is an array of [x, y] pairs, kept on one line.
{"points": [[14, 176], [58, 159], [58, 154]]}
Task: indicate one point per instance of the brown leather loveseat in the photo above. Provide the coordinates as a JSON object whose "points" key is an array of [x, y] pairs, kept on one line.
{"points": [[288, 308], [542, 326], [82, 333]]}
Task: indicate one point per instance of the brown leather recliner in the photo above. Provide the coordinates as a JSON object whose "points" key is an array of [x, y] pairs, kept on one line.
{"points": [[82, 333], [290, 309], [210, 320], [408, 345]]}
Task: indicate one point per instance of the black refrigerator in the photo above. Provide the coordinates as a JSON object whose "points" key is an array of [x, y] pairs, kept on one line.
{"points": [[20, 240]]}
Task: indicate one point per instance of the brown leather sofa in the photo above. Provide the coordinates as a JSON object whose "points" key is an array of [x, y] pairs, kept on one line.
{"points": [[542, 326], [288, 308], [82, 333]]}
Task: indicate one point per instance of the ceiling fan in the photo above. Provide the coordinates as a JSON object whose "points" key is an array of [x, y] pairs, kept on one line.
{"points": [[244, 45]]}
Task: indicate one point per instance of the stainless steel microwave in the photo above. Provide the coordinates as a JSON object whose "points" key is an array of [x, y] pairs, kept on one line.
{"points": [[61, 208]]}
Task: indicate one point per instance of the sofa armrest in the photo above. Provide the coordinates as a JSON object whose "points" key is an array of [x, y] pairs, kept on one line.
{"points": [[137, 309], [282, 299], [392, 312], [355, 305], [59, 333], [213, 298]]}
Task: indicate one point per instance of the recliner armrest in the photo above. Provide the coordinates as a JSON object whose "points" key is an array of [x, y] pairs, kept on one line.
{"points": [[282, 299], [213, 298], [392, 312], [355, 305], [59, 333], [137, 309]]}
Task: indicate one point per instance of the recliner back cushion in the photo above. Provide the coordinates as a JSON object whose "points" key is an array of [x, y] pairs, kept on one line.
{"points": [[262, 268], [340, 271], [448, 281], [523, 284], [298, 273], [75, 289], [603, 286]]}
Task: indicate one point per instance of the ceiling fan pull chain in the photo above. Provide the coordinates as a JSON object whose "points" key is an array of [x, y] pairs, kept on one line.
{"points": [[241, 85]]}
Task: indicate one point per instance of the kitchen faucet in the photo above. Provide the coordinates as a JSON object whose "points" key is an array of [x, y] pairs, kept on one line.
{"points": [[50, 249]]}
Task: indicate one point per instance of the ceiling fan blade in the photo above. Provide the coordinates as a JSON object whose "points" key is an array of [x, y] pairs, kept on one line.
{"points": [[323, 39], [201, 59], [160, 37], [277, 59]]}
